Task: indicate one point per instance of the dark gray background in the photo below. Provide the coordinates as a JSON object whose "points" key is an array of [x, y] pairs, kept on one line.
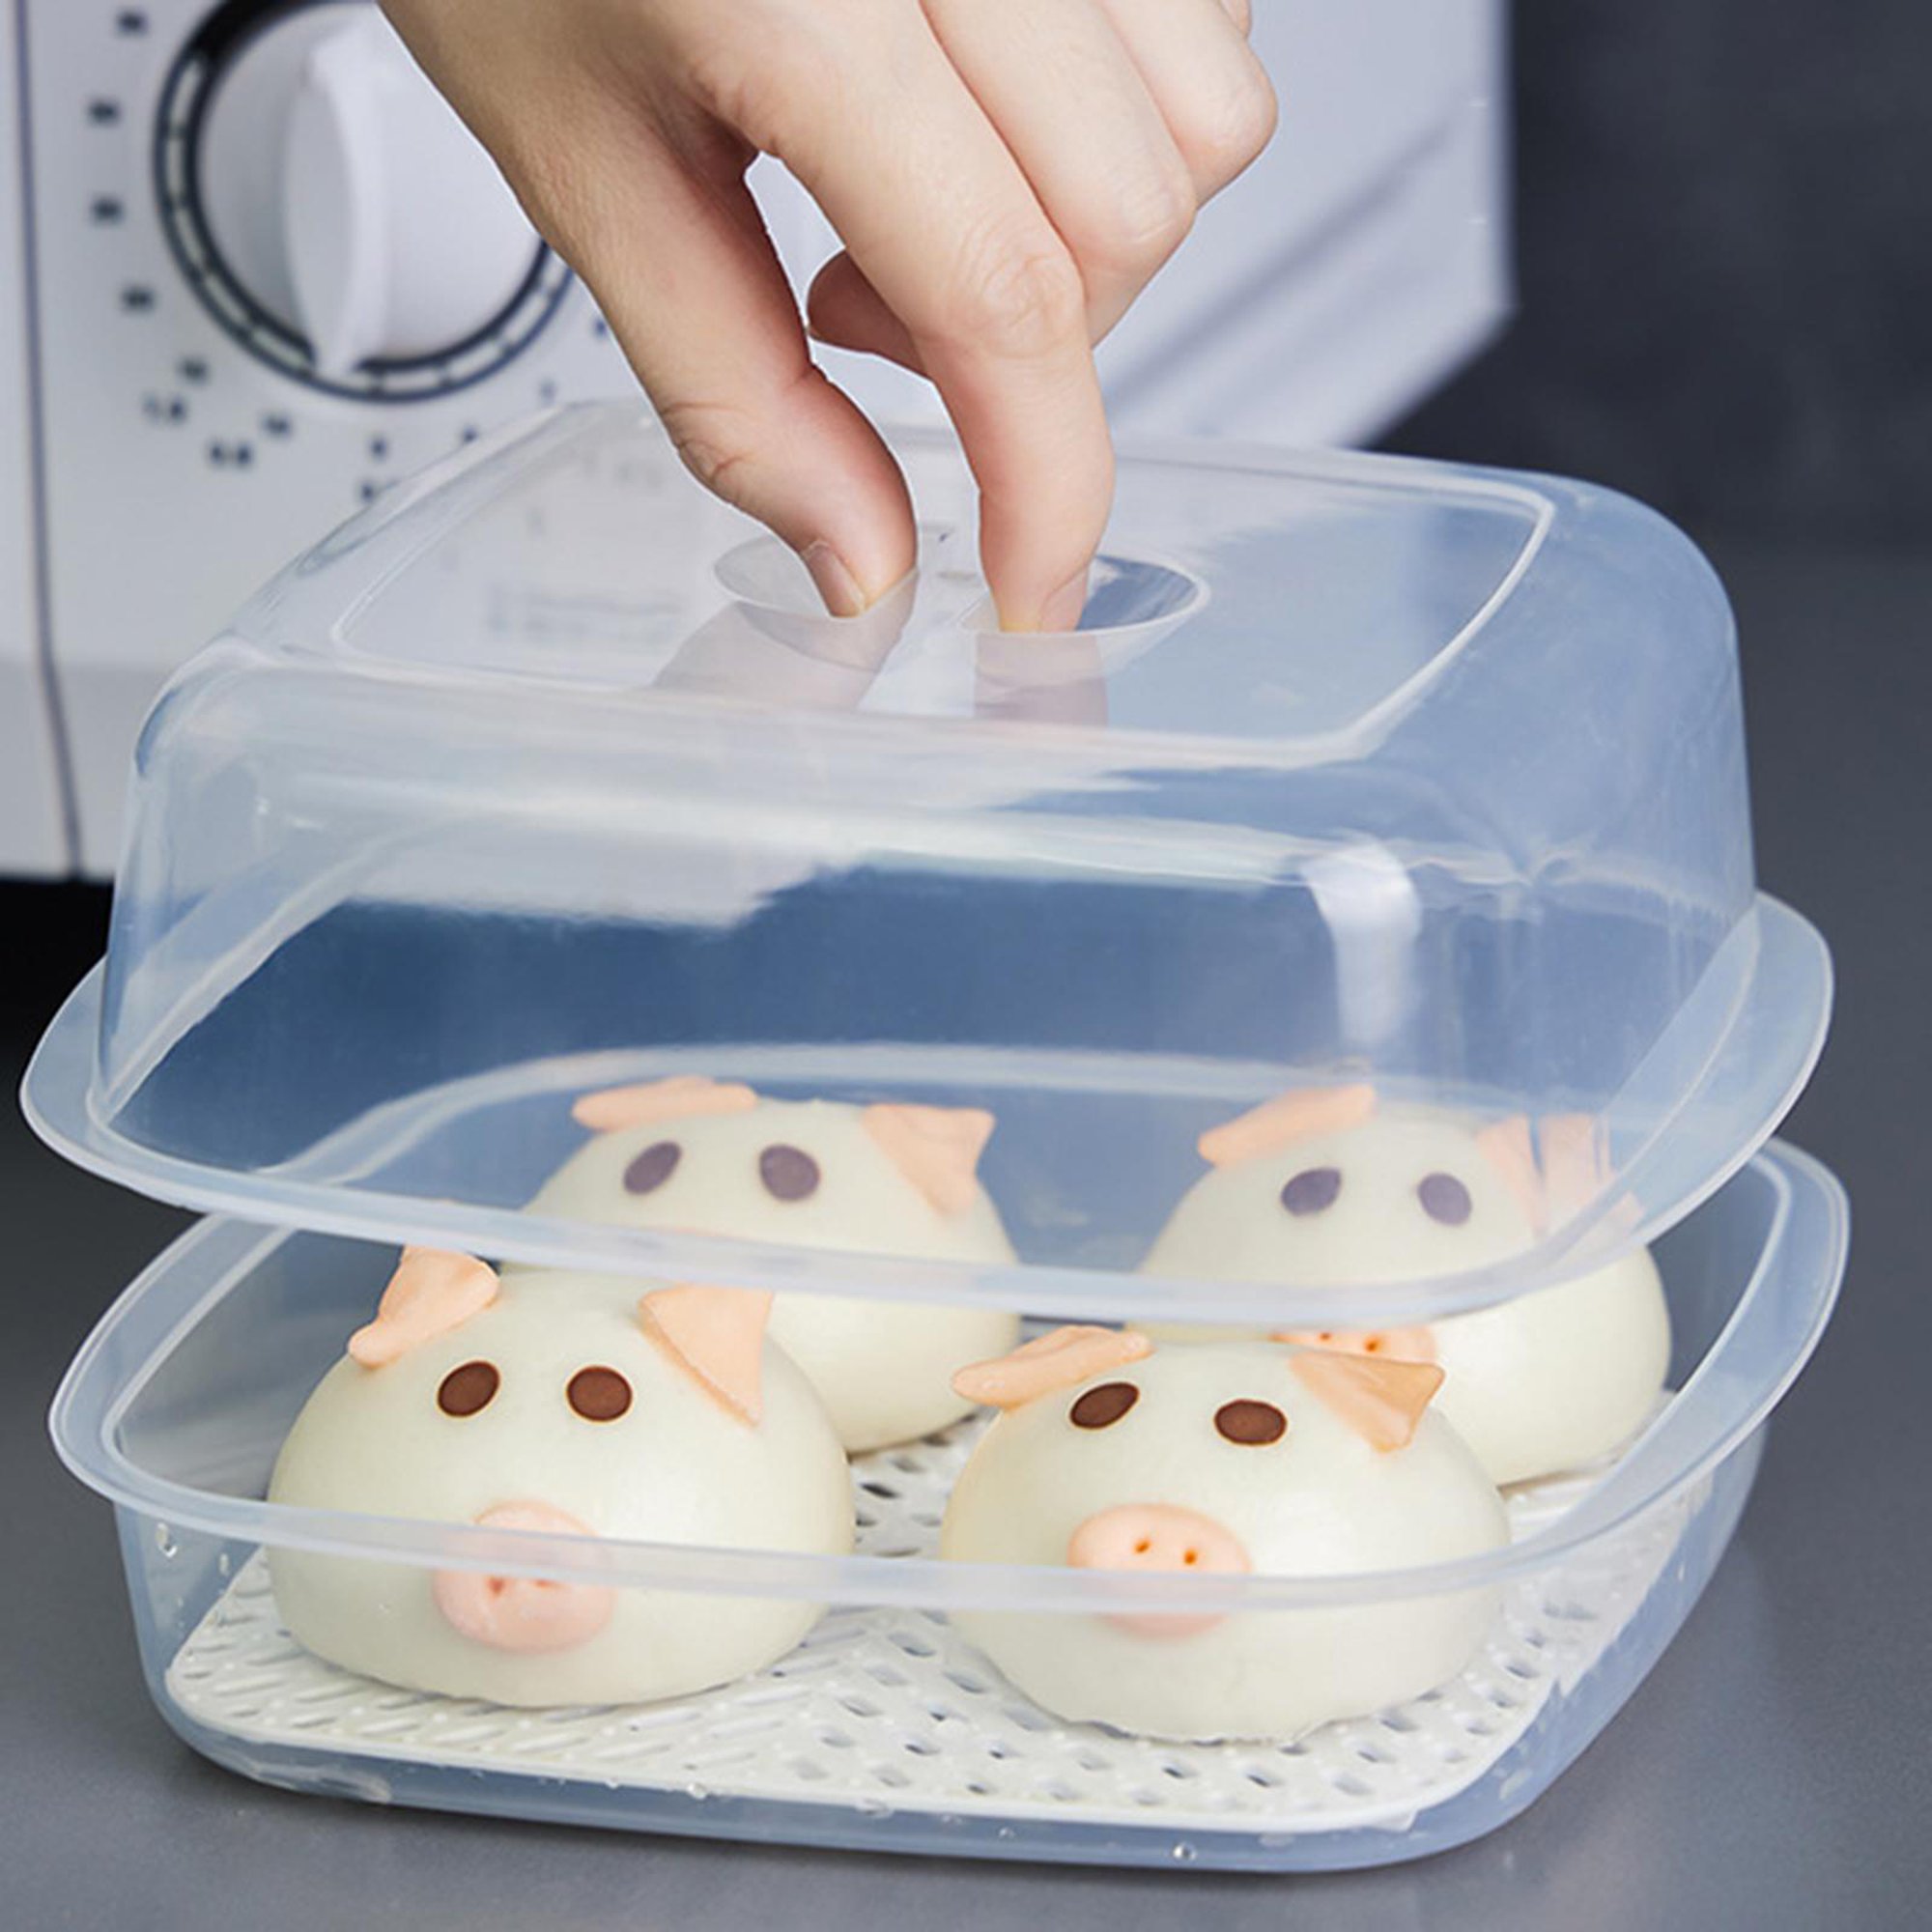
{"points": [[1724, 278], [1724, 270]]}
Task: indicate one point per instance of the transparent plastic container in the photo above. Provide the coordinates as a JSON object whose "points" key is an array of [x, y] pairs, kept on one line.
{"points": [[887, 1728], [544, 773], [543, 790]]}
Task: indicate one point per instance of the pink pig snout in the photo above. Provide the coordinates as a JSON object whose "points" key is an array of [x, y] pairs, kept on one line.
{"points": [[1159, 1536], [523, 1613]]}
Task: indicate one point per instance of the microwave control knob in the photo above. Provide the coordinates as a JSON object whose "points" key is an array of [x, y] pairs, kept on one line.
{"points": [[347, 202]]}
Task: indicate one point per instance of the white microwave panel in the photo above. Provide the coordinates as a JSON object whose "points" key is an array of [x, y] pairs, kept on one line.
{"points": [[31, 835], [182, 462]]}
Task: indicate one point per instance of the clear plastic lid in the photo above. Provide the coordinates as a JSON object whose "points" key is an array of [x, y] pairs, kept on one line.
{"points": [[545, 776]]}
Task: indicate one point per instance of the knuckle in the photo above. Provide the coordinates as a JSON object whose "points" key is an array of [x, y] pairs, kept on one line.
{"points": [[1147, 221], [1232, 129], [717, 441], [1019, 299]]}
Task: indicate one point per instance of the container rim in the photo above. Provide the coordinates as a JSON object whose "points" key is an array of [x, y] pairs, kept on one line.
{"points": [[1768, 1043], [1778, 1317]]}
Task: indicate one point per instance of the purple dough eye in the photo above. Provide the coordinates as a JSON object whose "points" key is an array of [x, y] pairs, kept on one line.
{"points": [[790, 1173], [1312, 1190], [1444, 1199], [652, 1168]]}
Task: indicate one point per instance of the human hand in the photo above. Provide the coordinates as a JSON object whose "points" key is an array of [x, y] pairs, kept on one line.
{"points": [[1006, 175]]}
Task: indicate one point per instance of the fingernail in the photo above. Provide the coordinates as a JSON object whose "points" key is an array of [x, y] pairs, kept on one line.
{"points": [[1062, 610], [837, 584]]}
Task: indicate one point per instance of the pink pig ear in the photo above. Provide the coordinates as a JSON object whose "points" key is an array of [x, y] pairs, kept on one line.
{"points": [[716, 1335], [937, 1148], [1507, 1147], [1289, 1118], [1575, 1161], [680, 1098], [1555, 1172], [431, 1291], [1380, 1399], [1055, 1360]]}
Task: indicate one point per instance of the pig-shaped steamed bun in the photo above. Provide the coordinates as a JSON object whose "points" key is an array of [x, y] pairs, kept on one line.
{"points": [[1228, 1459], [558, 1402], [713, 1157], [1325, 1185]]}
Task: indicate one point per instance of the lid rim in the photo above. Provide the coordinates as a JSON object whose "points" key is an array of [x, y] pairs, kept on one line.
{"points": [[61, 1100]]}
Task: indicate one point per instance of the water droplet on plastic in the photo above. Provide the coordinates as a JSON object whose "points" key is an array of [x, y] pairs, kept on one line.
{"points": [[164, 1540], [698, 1791], [222, 1566], [1184, 1853]]}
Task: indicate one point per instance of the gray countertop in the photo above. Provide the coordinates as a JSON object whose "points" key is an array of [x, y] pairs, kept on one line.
{"points": [[1774, 1770]]}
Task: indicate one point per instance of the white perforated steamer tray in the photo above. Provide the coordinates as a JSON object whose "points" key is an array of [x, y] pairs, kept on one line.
{"points": [[887, 1709]]}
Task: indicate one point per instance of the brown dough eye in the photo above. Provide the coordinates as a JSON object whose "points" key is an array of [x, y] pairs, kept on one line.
{"points": [[790, 1173], [1312, 1190], [1250, 1423], [1444, 1199], [598, 1394], [1102, 1406], [652, 1168], [467, 1389]]}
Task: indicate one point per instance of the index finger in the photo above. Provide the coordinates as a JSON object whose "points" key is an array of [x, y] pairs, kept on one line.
{"points": [[937, 214]]}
